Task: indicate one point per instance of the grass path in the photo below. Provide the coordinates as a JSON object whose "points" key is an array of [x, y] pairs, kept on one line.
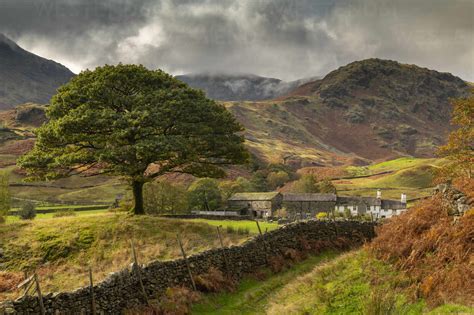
{"points": [[253, 295], [330, 283]]}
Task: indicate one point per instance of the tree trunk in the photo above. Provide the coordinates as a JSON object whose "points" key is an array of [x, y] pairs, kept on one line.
{"points": [[137, 188]]}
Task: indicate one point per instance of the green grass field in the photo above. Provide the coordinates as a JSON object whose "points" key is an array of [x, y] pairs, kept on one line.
{"points": [[251, 226], [352, 283], [401, 163], [40, 216], [412, 176]]}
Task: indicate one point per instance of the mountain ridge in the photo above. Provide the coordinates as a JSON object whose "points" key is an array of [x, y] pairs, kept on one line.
{"points": [[240, 87], [26, 77], [367, 110]]}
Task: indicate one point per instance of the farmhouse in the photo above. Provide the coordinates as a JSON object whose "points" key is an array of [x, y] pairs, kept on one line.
{"points": [[264, 204], [309, 204], [374, 206], [257, 204]]}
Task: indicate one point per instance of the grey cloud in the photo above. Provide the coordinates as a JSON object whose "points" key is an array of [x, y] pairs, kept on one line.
{"points": [[276, 38]]}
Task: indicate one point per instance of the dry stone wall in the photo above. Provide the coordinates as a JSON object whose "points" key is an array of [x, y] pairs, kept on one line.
{"points": [[121, 290]]}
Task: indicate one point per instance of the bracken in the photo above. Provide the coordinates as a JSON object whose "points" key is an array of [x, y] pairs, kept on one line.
{"points": [[434, 249]]}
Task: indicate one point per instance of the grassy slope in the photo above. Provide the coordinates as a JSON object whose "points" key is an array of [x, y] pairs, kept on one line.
{"points": [[349, 284], [63, 248], [68, 190], [409, 175], [41, 216]]}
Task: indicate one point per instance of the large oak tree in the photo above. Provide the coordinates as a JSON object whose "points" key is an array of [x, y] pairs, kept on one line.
{"points": [[140, 124]]}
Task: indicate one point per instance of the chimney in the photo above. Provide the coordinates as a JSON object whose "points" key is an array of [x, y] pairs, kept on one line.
{"points": [[403, 198], [379, 194]]}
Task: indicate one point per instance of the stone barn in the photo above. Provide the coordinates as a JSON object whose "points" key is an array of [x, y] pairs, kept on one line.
{"points": [[308, 205], [256, 204]]}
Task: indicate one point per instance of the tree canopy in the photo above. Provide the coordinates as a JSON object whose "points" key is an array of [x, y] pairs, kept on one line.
{"points": [[204, 194], [460, 146], [165, 197], [137, 123], [308, 183]]}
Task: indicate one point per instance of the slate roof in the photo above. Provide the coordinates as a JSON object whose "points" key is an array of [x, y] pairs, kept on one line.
{"points": [[393, 204], [371, 201], [255, 196], [310, 197]]}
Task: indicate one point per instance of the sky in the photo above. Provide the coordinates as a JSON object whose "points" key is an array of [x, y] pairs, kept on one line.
{"points": [[275, 38]]}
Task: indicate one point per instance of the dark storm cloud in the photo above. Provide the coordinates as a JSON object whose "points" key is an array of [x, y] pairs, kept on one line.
{"points": [[280, 38]]}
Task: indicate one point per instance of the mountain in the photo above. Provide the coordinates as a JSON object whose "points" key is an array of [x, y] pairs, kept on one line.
{"points": [[367, 110], [25, 77], [240, 87]]}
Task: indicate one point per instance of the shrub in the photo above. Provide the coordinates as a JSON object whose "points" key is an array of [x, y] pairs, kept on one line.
{"points": [[281, 213], [277, 263], [230, 229], [177, 301], [64, 213], [9, 281], [214, 281], [243, 231], [124, 205], [321, 216], [27, 211], [277, 179]]}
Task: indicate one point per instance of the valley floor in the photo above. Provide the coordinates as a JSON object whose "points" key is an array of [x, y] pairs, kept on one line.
{"points": [[331, 283]]}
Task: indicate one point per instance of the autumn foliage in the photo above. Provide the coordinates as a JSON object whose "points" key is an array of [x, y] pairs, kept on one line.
{"points": [[435, 249], [459, 150]]}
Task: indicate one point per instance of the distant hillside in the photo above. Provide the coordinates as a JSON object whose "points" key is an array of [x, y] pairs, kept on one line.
{"points": [[234, 87], [25, 77], [365, 111], [368, 110]]}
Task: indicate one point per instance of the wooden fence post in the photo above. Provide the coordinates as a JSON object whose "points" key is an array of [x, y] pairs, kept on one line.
{"points": [[258, 226], [137, 267], [91, 288], [40, 296], [223, 249], [186, 261], [26, 284]]}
